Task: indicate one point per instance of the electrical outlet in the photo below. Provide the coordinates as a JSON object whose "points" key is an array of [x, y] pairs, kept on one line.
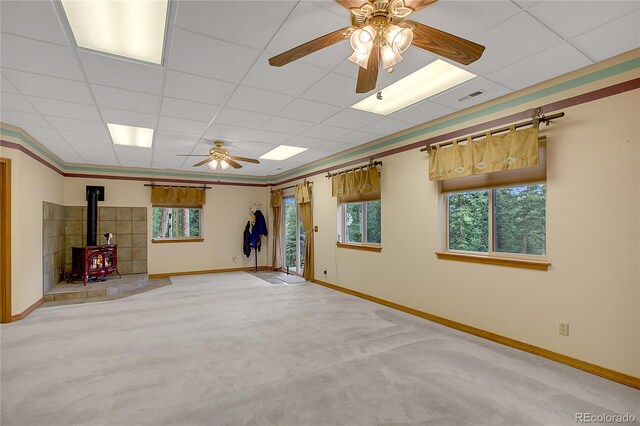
{"points": [[325, 272], [563, 328]]}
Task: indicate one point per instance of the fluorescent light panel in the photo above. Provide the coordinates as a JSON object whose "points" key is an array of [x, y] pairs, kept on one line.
{"points": [[282, 152], [134, 29], [130, 136], [435, 78]]}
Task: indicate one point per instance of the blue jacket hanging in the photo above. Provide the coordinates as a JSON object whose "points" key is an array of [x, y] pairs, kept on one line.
{"points": [[259, 229], [246, 240]]}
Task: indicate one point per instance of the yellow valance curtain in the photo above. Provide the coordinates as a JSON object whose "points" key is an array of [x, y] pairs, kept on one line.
{"points": [[513, 150], [276, 198], [170, 196], [356, 182]]}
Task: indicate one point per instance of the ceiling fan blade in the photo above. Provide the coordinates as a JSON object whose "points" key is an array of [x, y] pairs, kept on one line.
{"points": [[368, 77], [248, 160], [202, 162], [418, 4], [348, 4], [309, 47], [233, 163], [445, 44]]}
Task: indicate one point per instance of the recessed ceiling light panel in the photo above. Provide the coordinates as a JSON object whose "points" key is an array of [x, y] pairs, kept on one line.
{"points": [[435, 78], [134, 29], [130, 136], [282, 152]]}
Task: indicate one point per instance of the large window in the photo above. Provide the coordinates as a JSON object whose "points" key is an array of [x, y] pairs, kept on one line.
{"points": [[509, 220], [360, 223], [177, 223], [294, 237]]}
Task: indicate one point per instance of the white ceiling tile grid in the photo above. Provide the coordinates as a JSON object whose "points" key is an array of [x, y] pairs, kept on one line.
{"points": [[215, 81]]}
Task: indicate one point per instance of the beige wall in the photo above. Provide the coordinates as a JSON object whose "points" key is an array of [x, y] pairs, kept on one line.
{"points": [[225, 216], [31, 184], [593, 239]]}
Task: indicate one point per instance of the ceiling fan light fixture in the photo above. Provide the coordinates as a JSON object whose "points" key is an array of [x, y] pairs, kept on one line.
{"points": [[399, 38], [224, 165], [389, 56], [362, 39], [360, 59], [213, 164]]}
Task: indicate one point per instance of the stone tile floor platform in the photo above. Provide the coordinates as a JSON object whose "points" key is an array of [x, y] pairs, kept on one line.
{"points": [[98, 291]]}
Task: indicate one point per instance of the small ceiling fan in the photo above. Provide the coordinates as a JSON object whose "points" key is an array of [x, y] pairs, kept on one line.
{"points": [[219, 158], [380, 33]]}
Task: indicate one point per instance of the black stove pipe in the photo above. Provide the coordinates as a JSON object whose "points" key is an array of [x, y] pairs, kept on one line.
{"points": [[93, 194]]}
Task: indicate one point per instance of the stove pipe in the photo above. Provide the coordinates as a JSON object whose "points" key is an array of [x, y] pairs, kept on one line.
{"points": [[94, 194]]}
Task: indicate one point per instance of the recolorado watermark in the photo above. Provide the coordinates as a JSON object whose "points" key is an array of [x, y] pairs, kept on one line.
{"points": [[605, 418]]}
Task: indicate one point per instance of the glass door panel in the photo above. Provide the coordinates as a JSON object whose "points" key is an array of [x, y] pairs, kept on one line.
{"points": [[294, 237]]}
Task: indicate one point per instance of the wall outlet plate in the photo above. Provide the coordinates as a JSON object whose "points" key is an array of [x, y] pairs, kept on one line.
{"points": [[563, 328]]}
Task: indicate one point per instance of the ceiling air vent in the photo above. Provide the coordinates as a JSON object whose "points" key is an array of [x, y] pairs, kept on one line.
{"points": [[471, 95]]}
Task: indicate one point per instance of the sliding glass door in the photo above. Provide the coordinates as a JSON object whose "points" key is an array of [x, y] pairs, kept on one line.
{"points": [[294, 237]]}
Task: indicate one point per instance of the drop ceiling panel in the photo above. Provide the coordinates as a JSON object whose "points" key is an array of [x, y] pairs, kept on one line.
{"points": [[63, 150], [572, 18], [133, 156], [226, 132], [166, 162], [511, 41], [196, 88], [172, 107], [170, 142], [322, 131], [386, 126], [65, 109], [265, 136], [306, 142], [95, 148], [616, 37], [23, 119], [334, 147], [252, 148], [357, 137], [43, 134], [39, 57], [549, 63], [6, 86], [306, 22], [451, 97], [122, 73], [33, 19], [126, 99], [183, 125], [208, 57], [257, 100], [286, 125], [422, 112], [334, 89], [63, 123], [291, 79], [311, 111], [352, 119], [241, 118], [219, 19], [129, 118], [15, 102], [49, 87]]}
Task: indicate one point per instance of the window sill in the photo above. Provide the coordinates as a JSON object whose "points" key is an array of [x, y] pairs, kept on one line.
{"points": [[492, 260], [176, 240], [363, 247]]}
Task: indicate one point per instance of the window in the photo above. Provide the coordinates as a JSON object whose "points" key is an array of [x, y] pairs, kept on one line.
{"points": [[177, 223], [502, 221], [360, 223]]}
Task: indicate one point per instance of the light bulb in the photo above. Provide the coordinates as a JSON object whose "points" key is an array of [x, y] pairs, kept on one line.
{"points": [[360, 59], [213, 164], [399, 38], [224, 165], [389, 57], [362, 39]]}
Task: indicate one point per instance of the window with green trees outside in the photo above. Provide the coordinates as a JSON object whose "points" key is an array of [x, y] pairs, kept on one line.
{"points": [[509, 220], [176, 223], [361, 222]]}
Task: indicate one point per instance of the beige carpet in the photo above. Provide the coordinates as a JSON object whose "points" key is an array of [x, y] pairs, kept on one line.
{"points": [[234, 349]]}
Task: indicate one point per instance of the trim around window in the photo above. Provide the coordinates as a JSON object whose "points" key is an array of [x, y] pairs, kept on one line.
{"points": [[359, 246], [494, 260], [176, 240]]}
